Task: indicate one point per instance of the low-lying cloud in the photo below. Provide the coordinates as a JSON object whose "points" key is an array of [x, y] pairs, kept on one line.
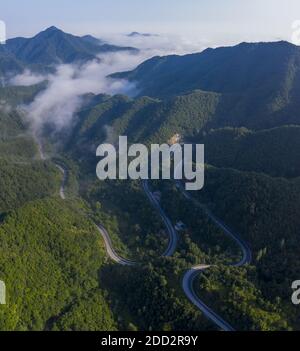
{"points": [[62, 99], [27, 78], [5, 107], [159, 44]]}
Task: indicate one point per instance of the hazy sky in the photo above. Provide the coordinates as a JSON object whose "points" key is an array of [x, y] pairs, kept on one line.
{"points": [[217, 21]]}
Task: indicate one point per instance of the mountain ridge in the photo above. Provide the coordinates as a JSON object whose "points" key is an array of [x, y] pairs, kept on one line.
{"points": [[50, 47], [202, 66]]}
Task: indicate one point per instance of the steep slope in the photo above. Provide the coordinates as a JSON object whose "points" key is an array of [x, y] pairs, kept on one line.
{"points": [[23, 182], [274, 151], [143, 119], [19, 95], [16, 143], [224, 70], [259, 82], [265, 211], [51, 47], [9, 63], [50, 269], [196, 117]]}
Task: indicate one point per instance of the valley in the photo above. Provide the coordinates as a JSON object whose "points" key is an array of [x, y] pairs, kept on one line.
{"points": [[79, 253]]}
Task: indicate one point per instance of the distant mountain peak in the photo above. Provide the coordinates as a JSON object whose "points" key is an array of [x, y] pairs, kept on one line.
{"points": [[89, 38], [277, 43], [52, 29], [52, 46], [49, 32], [138, 34]]}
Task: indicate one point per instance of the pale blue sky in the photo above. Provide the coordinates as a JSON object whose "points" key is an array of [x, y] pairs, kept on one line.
{"points": [[216, 20]]}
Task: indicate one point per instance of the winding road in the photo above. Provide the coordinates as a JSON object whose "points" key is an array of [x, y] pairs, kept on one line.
{"points": [[107, 240], [168, 224], [188, 288], [190, 276], [245, 248], [110, 250], [173, 239], [62, 169]]}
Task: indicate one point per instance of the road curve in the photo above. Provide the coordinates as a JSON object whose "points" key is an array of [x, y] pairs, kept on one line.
{"points": [[108, 243], [247, 254], [188, 288], [110, 250], [190, 276], [172, 233], [62, 169], [173, 237], [107, 240]]}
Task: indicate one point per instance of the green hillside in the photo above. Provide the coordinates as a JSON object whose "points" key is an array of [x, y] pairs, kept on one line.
{"points": [[51, 47], [20, 183], [274, 151], [50, 255], [265, 211], [259, 82], [143, 119], [243, 103], [156, 121]]}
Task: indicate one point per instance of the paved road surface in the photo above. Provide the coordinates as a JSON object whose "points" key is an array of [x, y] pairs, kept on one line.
{"points": [[190, 276], [110, 250], [247, 254], [108, 243], [173, 237], [188, 288]]}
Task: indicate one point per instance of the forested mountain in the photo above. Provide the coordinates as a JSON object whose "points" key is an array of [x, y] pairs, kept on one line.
{"points": [[197, 117], [237, 69], [9, 63], [242, 103], [51, 269], [49, 48], [258, 82], [16, 142], [143, 119], [273, 151], [266, 211]]}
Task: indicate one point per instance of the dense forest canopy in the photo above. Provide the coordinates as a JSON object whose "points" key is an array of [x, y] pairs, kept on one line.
{"points": [[242, 103]]}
